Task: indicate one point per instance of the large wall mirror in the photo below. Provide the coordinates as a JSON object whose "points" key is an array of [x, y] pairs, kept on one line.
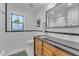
{"points": [[63, 15]]}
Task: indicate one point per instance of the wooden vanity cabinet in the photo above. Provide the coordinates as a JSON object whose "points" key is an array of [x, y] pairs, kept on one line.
{"points": [[43, 48]]}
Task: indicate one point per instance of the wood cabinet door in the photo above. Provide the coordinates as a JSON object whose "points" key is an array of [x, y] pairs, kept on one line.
{"points": [[38, 47], [47, 49], [60, 52]]}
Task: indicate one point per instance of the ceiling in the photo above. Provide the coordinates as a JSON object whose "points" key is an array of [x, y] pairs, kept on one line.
{"points": [[30, 6]]}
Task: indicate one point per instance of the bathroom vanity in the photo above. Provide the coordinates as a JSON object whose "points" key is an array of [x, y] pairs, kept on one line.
{"points": [[46, 46]]}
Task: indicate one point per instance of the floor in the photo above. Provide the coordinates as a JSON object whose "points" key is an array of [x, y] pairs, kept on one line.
{"points": [[30, 49]]}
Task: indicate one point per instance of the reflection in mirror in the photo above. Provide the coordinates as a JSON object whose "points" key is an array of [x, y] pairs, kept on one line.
{"points": [[63, 15]]}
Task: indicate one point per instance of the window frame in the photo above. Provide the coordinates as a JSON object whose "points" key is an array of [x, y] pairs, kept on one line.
{"points": [[17, 18]]}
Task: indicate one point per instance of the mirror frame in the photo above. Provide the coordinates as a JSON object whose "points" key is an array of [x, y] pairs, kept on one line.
{"points": [[60, 26]]}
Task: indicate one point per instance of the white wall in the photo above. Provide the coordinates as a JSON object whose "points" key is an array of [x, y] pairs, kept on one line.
{"points": [[14, 40]]}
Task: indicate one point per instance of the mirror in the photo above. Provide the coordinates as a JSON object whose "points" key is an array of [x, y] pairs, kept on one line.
{"points": [[63, 15]]}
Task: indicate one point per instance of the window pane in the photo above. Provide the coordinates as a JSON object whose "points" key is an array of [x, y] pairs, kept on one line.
{"points": [[20, 26], [14, 26], [17, 22], [21, 18], [14, 17], [17, 26]]}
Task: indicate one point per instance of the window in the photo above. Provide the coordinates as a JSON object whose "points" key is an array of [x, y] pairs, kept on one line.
{"points": [[17, 22]]}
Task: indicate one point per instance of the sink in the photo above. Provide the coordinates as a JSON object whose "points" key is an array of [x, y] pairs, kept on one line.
{"points": [[43, 37]]}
